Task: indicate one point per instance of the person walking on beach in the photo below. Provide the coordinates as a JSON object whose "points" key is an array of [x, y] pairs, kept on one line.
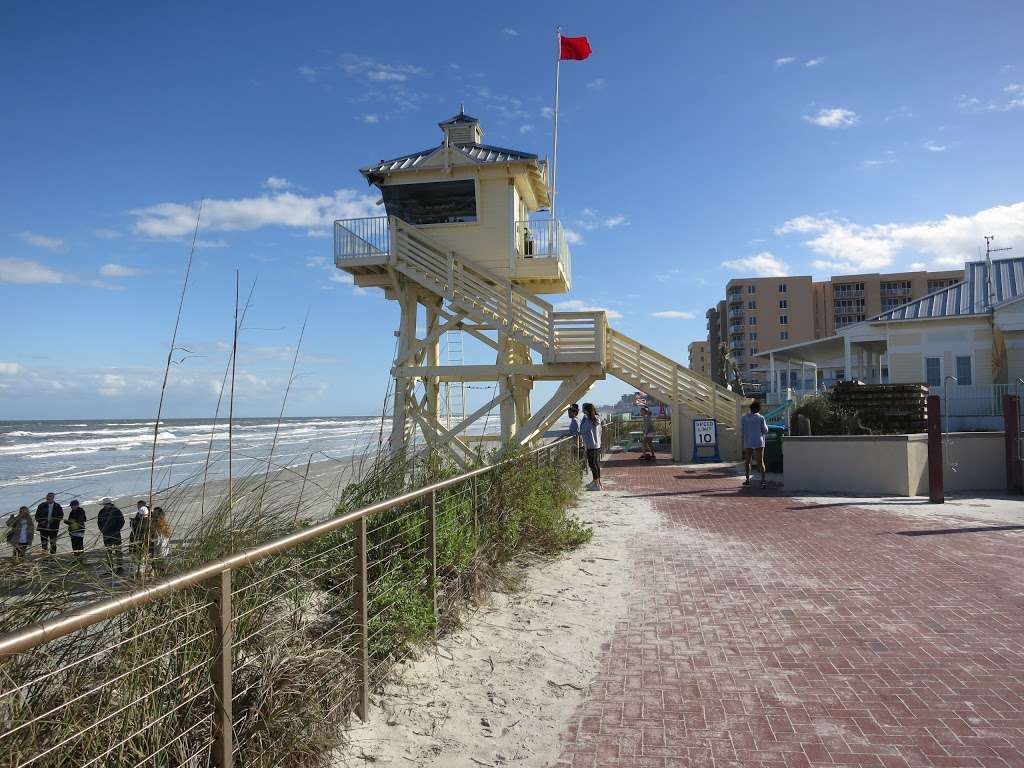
{"points": [[110, 521], [160, 540], [590, 431], [48, 517], [754, 428], [138, 536], [647, 451], [20, 533], [76, 527]]}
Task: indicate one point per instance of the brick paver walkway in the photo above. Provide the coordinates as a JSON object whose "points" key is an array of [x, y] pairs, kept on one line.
{"points": [[766, 632]]}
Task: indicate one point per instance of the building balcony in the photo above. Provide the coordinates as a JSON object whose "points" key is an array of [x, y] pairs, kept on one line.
{"points": [[736, 314], [736, 345], [735, 298], [848, 294], [737, 328]]}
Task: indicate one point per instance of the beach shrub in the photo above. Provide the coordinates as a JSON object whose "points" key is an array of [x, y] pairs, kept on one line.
{"points": [[136, 689], [827, 416]]}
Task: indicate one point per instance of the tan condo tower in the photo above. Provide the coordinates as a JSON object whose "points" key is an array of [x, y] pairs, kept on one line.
{"points": [[465, 238]]}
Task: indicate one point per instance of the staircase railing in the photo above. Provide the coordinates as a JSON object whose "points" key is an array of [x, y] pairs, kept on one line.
{"points": [[666, 379]]}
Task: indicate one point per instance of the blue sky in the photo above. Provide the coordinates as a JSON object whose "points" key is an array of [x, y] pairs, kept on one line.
{"points": [[697, 144]]}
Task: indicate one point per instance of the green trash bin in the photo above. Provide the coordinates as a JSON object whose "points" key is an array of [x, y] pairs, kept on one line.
{"points": [[773, 448]]}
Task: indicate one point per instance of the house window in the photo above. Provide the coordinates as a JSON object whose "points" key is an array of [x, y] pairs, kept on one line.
{"points": [[783, 304], [751, 305], [840, 374], [933, 371], [783, 335], [753, 336], [963, 371], [782, 287], [752, 320], [783, 319], [751, 289], [434, 202]]}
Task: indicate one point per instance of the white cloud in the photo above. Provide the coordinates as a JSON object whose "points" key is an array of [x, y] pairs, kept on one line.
{"points": [[876, 162], [337, 276], [277, 183], [674, 314], [576, 305], [119, 270], [931, 146], [318, 233], [597, 84], [1014, 88], [316, 261], [592, 220], [974, 104], [917, 266], [784, 60], [374, 71], [833, 117], [28, 272], [763, 264], [106, 234], [526, 128], [42, 241], [112, 384], [211, 243], [509, 32], [547, 112], [310, 73], [284, 209], [815, 62], [846, 246], [11, 369], [370, 119], [572, 236]]}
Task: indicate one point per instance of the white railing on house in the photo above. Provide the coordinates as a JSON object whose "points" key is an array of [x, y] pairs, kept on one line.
{"points": [[543, 239], [974, 400]]}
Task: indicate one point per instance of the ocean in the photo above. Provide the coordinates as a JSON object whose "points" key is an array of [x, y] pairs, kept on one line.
{"points": [[88, 460]]}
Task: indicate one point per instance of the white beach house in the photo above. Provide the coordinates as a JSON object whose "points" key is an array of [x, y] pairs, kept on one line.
{"points": [[966, 342]]}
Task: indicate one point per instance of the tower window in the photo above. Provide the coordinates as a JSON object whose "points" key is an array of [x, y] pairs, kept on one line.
{"points": [[434, 202]]}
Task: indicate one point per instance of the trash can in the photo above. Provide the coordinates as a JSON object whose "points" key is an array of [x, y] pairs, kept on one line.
{"points": [[773, 448]]}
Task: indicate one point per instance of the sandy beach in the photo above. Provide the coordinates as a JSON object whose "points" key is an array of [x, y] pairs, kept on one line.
{"points": [[500, 690]]}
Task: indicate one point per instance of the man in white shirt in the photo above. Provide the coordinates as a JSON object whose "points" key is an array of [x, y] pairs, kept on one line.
{"points": [[754, 427]]}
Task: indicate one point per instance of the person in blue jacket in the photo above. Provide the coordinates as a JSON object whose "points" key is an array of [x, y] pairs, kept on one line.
{"points": [[110, 521]]}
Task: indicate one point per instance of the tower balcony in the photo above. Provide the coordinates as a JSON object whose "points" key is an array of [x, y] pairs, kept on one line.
{"points": [[538, 255], [541, 251]]}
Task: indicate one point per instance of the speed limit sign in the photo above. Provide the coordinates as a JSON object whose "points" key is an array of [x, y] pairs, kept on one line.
{"points": [[705, 436]]}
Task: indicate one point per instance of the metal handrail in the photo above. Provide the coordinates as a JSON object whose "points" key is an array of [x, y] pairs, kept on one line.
{"points": [[61, 626]]}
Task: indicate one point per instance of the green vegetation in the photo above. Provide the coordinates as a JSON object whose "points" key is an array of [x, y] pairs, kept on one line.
{"points": [[827, 416], [136, 689]]}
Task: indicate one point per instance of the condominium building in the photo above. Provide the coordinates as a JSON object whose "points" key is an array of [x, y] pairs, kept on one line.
{"points": [[699, 357], [718, 334], [765, 313]]}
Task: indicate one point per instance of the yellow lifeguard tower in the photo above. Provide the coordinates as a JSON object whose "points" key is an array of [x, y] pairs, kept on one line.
{"points": [[458, 239]]}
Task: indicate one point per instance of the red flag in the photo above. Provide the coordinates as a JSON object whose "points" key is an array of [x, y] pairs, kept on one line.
{"points": [[575, 48]]}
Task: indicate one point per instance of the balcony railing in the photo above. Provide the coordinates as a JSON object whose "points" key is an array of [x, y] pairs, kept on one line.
{"points": [[543, 239], [736, 344], [736, 314], [361, 238]]}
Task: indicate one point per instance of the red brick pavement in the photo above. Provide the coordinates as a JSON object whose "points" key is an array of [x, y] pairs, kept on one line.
{"points": [[767, 632]]}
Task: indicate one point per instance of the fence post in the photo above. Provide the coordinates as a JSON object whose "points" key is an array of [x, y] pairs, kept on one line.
{"points": [[363, 658], [936, 493], [432, 548], [1011, 427], [220, 670]]}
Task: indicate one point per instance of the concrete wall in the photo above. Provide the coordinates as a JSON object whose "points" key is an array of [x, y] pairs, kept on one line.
{"points": [[892, 465]]}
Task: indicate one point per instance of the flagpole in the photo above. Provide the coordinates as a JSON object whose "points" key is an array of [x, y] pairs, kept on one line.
{"points": [[554, 140]]}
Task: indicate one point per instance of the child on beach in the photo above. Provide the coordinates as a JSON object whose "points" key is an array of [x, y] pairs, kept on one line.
{"points": [[590, 431], [160, 540], [754, 427]]}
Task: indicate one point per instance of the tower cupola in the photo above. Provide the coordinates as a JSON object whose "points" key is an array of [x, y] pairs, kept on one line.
{"points": [[462, 129]]}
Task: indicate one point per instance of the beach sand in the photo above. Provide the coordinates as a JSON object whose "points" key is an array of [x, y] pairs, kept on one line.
{"points": [[500, 690]]}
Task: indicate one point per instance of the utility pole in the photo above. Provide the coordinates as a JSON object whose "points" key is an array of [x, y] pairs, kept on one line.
{"points": [[989, 250]]}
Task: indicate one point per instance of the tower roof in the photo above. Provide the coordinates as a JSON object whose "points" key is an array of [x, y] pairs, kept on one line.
{"points": [[462, 117]]}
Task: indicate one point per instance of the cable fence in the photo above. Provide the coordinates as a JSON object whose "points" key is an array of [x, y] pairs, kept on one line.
{"points": [[258, 658]]}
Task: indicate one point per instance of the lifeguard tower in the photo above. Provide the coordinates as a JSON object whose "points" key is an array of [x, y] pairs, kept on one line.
{"points": [[465, 239]]}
